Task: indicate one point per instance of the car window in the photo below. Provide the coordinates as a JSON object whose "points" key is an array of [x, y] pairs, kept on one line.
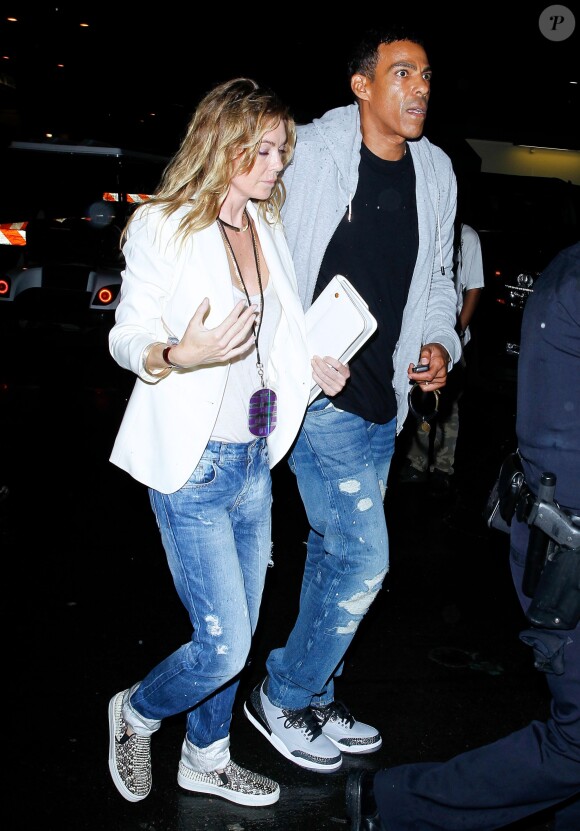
{"points": [[525, 204], [42, 183]]}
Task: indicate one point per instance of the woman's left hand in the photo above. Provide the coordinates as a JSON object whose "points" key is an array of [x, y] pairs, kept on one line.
{"points": [[330, 375], [201, 346]]}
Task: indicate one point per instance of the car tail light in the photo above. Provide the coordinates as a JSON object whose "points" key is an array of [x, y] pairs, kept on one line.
{"points": [[106, 295], [4, 286]]}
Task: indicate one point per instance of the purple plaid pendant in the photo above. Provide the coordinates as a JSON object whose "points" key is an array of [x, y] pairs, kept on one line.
{"points": [[262, 417]]}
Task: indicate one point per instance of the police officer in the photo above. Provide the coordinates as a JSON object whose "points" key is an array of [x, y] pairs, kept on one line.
{"points": [[537, 767]]}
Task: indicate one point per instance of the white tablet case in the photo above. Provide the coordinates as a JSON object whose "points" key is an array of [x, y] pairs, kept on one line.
{"points": [[338, 323]]}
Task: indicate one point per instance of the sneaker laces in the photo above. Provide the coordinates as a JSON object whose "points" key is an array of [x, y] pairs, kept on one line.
{"points": [[335, 711], [303, 720]]}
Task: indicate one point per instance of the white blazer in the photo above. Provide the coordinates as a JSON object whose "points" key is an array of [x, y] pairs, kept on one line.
{"points": [[168, 422]]}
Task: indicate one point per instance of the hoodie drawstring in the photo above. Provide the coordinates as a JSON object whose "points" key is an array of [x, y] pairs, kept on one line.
{"points": [[440, 246]]}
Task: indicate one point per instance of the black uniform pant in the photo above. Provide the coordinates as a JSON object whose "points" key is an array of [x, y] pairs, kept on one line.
{"points": [[532, 769]]}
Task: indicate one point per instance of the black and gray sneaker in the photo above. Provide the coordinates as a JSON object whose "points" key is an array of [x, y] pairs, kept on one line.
{"points": [[349, 735], [233, 783], [129, 756], [296, 734]]}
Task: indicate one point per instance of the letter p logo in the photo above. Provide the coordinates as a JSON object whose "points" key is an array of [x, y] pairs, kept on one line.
{"points": [[557, 23]]}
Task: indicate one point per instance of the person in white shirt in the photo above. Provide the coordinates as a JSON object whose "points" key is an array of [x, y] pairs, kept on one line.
{"points": [[433, 456]]}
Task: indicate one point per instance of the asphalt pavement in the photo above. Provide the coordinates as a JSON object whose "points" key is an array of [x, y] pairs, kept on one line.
{"points": [[89, 607]]}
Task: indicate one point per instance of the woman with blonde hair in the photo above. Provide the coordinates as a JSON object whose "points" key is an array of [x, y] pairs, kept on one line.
{"points": [[211, 324]]}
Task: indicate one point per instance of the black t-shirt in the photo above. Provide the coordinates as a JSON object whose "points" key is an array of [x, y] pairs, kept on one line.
{"points": [[376, 250]]}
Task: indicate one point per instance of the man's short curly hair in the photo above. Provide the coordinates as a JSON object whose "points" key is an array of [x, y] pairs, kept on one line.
{"points": [[365, 55]]}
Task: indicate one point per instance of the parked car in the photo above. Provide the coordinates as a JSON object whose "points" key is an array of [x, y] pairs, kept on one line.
{"points": [[523, 222], [62, 210]]}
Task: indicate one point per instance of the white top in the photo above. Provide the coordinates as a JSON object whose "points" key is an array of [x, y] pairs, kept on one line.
{"points": [[468, 272], [243, 379]]}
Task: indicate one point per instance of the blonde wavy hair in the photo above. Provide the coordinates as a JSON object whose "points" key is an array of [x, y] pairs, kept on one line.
{"points": [[222, 140]]}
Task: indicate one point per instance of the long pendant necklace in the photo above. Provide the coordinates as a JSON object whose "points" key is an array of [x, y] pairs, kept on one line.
{"points": [[262, 416]]}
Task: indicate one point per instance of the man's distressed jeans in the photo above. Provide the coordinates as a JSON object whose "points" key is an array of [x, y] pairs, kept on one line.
{"points": [[341, 463]]}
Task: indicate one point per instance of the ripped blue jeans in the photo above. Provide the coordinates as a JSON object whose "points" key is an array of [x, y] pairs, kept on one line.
{"points": [[341, 463], [216, 532]]}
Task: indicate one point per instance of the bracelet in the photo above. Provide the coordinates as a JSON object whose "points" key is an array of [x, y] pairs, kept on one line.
{"points": [[165, 355], [154, 373]]}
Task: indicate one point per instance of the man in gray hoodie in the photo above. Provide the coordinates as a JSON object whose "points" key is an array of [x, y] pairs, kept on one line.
{"points": [[370, 198]]}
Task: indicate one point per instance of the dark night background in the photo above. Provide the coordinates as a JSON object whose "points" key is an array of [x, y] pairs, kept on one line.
{"points": [[135, 75], [437, 663]]}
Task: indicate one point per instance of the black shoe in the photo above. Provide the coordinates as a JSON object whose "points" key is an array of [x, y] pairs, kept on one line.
{"points": [[410, 474], [361, 807], [440, 483]]}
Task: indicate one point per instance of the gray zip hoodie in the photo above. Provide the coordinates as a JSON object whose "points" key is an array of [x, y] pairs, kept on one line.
{"points": [[321, 182]]}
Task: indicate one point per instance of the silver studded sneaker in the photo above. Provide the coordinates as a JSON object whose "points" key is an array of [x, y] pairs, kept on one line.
{"points": [[349, 735], [234, 783], [129, 756], [295, 734]]}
